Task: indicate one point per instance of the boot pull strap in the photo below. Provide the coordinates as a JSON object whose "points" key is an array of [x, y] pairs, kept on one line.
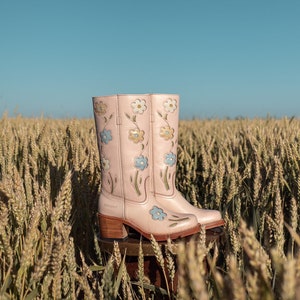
{"points": [[118, 117]]}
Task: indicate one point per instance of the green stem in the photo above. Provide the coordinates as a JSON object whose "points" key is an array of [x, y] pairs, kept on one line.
{"points": [[166, 179], [136, 186], [178, 220], [112, 183]]}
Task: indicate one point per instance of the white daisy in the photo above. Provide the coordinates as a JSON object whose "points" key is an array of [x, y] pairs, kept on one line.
{"points": [[170, 105], [105, 163], [139, 106]]}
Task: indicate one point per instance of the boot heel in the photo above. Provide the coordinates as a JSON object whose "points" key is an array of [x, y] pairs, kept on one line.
{"points": [[111, 228]]}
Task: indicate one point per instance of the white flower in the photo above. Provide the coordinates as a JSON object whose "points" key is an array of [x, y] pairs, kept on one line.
{"points": [[170, 105], [105, 163], [139, 106]]}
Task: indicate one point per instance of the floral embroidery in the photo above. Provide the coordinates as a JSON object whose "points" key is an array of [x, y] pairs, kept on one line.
{"points": [[105, 163], [136, 135], [170, 159], [139, 106], [170, 105], [166, 132], [157, 213], [105, 136], [176, 220], [141, 162], [100, 108]]}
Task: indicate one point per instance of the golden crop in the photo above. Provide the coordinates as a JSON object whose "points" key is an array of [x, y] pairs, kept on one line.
{"points": [[49, 185]]}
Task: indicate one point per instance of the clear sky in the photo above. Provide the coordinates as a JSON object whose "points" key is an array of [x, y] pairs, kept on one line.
{"points": [[226, 58]]}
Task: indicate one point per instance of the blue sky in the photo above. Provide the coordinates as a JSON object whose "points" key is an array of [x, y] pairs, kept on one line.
{"points": [[224, 58]]}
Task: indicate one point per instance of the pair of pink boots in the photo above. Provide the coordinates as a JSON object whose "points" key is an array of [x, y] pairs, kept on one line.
{"points": [[137, 139]]}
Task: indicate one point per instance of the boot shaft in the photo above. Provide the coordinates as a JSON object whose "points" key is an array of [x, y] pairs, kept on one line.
{"points": [[123, 133], [165, 109]]}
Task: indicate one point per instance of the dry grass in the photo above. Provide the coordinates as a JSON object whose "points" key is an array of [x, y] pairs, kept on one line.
{"points": [[49, 184]]}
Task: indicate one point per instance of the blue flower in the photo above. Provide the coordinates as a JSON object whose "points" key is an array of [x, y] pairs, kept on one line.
{"points": [[170, 159], [105, 136], [157, 213], [141, 162]]}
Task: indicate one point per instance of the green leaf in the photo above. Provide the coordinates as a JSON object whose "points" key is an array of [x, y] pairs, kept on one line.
{"points": [[97, 268], [6, 283], [119, 277], [151, 287], [179, 220], [32, 295]]}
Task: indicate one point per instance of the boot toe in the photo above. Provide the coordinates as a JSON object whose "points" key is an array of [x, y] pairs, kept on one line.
{"points": [[210, 218]]}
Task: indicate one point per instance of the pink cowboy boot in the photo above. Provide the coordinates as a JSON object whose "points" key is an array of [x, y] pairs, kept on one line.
{"points": [[165, 115], [126, 200]]}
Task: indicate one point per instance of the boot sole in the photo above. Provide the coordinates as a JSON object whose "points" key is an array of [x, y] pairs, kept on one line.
{"points": [[213, 224]]}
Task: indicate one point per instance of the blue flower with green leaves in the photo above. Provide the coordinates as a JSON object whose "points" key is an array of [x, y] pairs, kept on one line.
{"points": [[157, 213], [141, 162], [170, 159], [105, 136]]}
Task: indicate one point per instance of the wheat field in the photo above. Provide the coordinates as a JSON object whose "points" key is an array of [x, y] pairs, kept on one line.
{"points": [[49, 185]]}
